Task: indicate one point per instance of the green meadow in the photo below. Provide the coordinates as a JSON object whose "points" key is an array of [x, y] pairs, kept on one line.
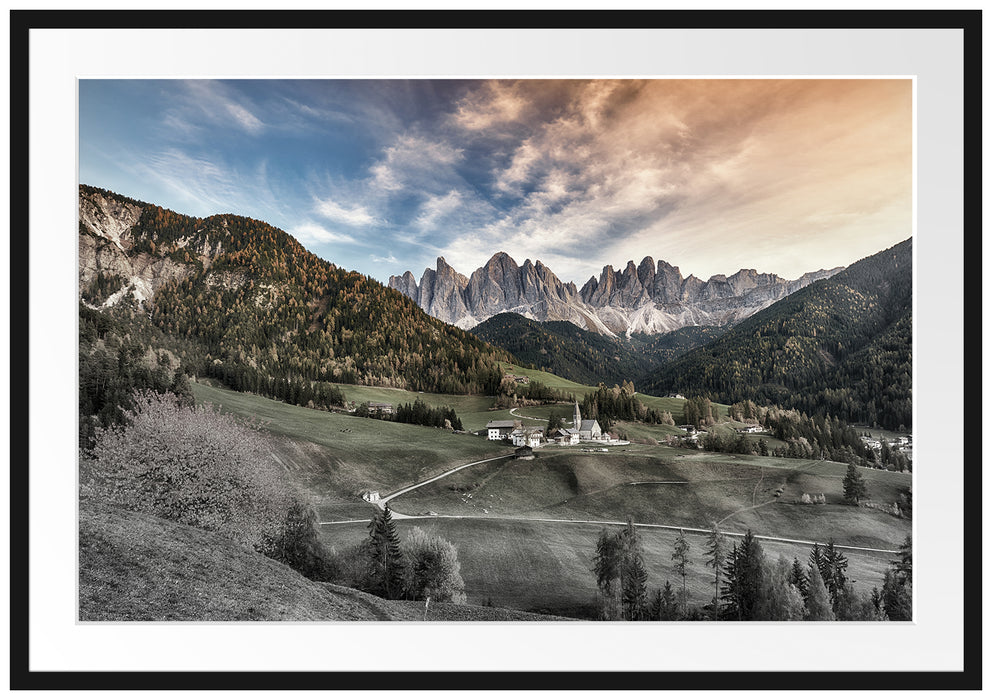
{"points": [[547, 567], [493, 512]]}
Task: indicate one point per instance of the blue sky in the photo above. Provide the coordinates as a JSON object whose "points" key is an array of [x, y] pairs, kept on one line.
{"points": [[382, 176]]}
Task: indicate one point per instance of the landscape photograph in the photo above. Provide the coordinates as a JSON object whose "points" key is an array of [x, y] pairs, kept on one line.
{"points": [[495, 350]]}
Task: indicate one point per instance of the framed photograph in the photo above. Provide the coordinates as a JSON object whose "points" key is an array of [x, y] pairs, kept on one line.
{"points": [[569, 355]]}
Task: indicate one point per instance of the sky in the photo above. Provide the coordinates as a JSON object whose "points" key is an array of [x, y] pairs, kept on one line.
{"points": [[383, 176]]}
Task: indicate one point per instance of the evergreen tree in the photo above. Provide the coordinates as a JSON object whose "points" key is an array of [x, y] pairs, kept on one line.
{"points": [[606, 566], [716, 551], [798, 578], [855, 488], [385, 556], [666, 606], [897, 585], [635, 589], [744, 576], [554, 423], [897, 597], [834, 571], [633, 575], [680, 555], [904, 565]]}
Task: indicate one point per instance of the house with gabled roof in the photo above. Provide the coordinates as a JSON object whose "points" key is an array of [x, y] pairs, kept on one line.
{"points": [[499, 429]]}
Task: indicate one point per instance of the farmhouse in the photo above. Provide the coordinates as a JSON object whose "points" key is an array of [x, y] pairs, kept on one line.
{"points": [[750, 429], [519, 379], [385, 409], [871, 442], [527, 437], [499, 429], [675, 396], [565, 436]]}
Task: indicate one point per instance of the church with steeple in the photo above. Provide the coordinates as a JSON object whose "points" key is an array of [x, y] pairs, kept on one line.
{"points": [[588, 429]]}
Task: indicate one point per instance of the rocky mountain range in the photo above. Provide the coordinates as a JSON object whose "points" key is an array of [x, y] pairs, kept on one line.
{"points": [[645, 298]]}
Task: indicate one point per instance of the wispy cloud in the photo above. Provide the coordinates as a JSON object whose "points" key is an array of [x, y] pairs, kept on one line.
{"points": [[436, 208], [390, 259], [309, 232], [213, 103], [350, 216], [416, 162], [677, 168]]}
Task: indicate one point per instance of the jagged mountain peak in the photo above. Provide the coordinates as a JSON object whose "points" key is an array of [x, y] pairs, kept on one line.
{"points": [[650, 297]]}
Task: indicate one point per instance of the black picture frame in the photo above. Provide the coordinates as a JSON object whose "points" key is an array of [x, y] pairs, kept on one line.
{"points": [[969, 22]]}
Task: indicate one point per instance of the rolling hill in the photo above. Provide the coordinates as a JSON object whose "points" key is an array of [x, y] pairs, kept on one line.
{"points": [[136, 567]]}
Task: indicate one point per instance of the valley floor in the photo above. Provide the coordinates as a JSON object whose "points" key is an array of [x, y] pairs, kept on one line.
{"points": [[526, 530]]}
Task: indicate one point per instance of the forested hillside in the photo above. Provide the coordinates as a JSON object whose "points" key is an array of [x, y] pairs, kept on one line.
{"points": [[585, 357], [841, 346], [259, 309]]}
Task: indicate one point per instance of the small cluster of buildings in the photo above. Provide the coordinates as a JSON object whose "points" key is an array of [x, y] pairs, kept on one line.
{"points": [[522, 436], [903, 443], [518, 378]]}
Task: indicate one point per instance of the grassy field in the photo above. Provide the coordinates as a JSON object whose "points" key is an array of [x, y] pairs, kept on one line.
{"points": [[337, 457], [134, 566], [512, 560], [550, 380], [547, 567], [671, 489]]}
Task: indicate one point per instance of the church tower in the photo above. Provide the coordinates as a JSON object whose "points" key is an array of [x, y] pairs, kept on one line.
{"points": [[577, 418]]}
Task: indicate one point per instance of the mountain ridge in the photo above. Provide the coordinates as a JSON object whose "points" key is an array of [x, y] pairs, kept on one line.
{"points": [[652, 297], [260, 311], [841, 346]]}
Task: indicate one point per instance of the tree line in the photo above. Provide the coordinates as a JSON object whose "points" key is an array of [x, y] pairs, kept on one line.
{"points": [[747, 584], [417, 413], [609, 405], [805, 436]]}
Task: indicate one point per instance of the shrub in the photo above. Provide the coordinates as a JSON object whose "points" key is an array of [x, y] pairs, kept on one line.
{"points": [[197, 466], [432, 568]]}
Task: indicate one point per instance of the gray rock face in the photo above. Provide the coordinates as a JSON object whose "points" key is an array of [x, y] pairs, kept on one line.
{"points": [[106, 244], [407, 284], [650, 297]]}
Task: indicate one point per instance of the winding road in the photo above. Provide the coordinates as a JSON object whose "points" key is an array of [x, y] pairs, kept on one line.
{"points": [[381, 503], [517, 415]]}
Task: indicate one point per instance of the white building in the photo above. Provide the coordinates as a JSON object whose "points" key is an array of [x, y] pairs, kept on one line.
{"points": [[499, 429], [527, 437]]}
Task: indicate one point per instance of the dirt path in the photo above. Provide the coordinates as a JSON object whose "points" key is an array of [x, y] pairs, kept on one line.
{"points": [[390, 496], [517, 415]]}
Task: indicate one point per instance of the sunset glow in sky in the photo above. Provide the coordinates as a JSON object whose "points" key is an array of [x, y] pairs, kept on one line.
{"points": [[383, 176]]}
